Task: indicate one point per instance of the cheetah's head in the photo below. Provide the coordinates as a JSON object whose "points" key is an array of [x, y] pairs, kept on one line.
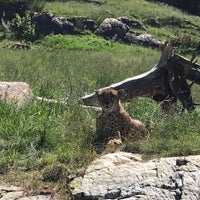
{"points": [[109, 98]]}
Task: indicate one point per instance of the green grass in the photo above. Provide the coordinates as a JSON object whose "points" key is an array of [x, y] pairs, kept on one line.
{"points": [[43, 134], [187, 30], [73, 68], [170, 135], [86, 42], [40, 136]]}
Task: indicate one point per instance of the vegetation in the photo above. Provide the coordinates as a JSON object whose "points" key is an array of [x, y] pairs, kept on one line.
{"points": [[22, 28], [191, 7], [39, 136]]}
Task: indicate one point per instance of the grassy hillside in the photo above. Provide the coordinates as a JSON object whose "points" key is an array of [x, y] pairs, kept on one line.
{"points": [[40, 137], [178, 26]]}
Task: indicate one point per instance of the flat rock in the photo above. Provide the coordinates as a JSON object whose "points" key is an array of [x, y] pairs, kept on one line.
{"points": [[10, 192], [126, 176], [145, 40]]}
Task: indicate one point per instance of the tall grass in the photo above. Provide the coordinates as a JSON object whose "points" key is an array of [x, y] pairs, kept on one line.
{"points": [[39, 134], [65, 133]]}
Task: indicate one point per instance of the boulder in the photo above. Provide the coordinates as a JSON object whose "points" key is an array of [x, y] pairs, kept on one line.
{"points": [[126, 176], [132, 22], [81, 23], [111, 28], [46, 24], [18, 92], [145, 40]]}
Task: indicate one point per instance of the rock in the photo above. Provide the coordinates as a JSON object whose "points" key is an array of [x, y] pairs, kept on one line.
{"points": [[46, 24], [143, 39], [82, 23], [10, 192], [132, 22], [12, 195], [118, 29], [112, 27], [18, 92], [125, 176], [89, 24], [38, 197]]}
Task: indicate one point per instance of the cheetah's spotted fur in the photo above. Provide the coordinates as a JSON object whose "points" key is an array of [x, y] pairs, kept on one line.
{"points": [[114, 123]]}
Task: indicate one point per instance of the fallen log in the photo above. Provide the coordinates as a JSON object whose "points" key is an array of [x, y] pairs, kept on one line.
{"points": [[165, 82]]}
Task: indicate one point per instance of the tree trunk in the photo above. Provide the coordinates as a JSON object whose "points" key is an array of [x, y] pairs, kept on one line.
{"points": [[166, 82]]}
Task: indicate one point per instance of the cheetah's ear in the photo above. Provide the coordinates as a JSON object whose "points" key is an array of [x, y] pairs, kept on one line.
{"points": [[121, 92]]}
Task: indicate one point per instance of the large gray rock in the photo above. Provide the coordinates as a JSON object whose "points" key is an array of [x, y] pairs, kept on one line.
{"points": [[81, 23], [18, 92], [112, 27], [126, 176], [46, 24], [145, 40]]}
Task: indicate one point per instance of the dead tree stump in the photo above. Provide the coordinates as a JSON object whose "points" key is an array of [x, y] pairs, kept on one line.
{"points": [[166, 82]]}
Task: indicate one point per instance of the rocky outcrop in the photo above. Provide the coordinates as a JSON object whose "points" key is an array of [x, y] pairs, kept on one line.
{"points": [[82, 23], [126, 176], [145, 40], [9, 192], [112, 27], [46, 24], [132, 22], [18, 92], [118, 29]]}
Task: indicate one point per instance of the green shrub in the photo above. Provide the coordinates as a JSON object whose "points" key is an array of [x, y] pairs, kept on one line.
{"points": [[22, 28]]}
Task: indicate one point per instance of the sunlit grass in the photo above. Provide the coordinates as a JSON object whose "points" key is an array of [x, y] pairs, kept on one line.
{"points": [[141, 10], [41, 135]]}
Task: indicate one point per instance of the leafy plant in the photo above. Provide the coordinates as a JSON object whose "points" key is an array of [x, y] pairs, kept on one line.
{"points": [[22, 28]]}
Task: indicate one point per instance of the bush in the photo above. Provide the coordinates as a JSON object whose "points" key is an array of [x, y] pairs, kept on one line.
{"points": [[22, 28]]}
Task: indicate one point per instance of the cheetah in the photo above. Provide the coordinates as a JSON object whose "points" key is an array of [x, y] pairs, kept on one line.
{"points": [[114, 124]]}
